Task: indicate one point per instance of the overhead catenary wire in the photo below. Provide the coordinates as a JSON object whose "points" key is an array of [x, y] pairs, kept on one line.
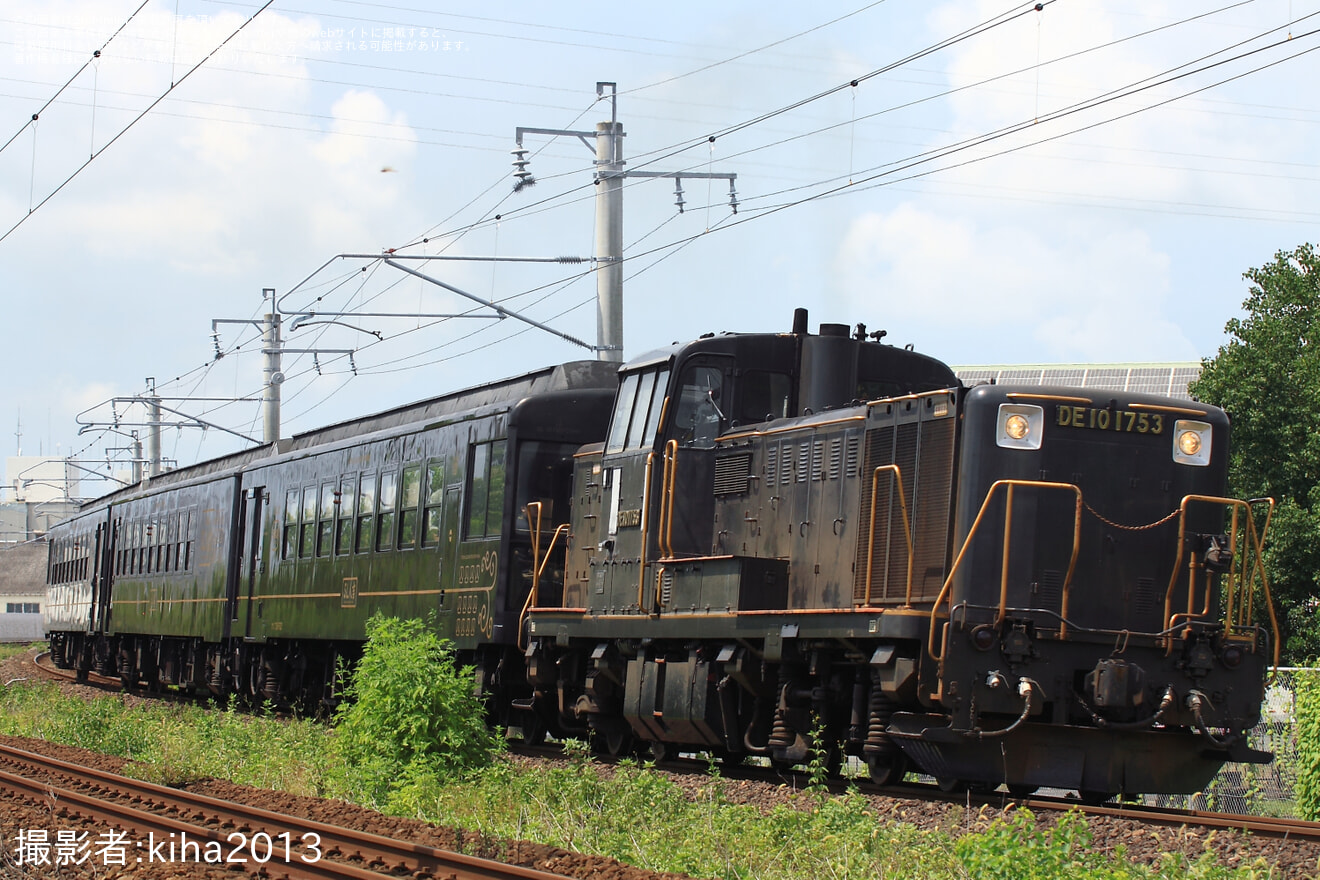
{"points": [[679, 243], [1121, 93], [96, 53], [135, 120]]}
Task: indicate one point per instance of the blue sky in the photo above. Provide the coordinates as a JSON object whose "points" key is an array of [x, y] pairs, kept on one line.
{"points": [[1083, 183]]}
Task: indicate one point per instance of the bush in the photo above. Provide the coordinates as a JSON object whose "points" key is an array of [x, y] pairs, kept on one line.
{"points": [[410, 715], [1306, 734]]}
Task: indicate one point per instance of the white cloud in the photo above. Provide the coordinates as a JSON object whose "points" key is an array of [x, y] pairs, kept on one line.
{"points": [[1005, 293]]}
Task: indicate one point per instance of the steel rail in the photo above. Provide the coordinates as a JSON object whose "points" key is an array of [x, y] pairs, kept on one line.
{"points": [[390, 855]]}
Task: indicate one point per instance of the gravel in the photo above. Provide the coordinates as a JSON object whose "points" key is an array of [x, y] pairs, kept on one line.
{"points": [[1143, 843]]}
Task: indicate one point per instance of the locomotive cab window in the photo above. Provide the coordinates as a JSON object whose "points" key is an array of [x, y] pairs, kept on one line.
{"points": [[637, 410], [763, 395], [485, 496], [700, 414]]}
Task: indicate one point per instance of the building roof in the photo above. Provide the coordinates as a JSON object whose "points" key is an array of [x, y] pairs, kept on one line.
{"points": [[23, 569], [1170, 379]]}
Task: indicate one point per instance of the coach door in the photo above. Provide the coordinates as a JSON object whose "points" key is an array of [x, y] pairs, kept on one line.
{"points": [[250, 543], [100, 577]]}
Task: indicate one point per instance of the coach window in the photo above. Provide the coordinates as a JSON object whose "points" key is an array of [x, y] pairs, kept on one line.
{"points": [[307, 543], [385, 507], [326, 530], [153, 545], [169, 534], [347, 497], [366, 515], [434, 494], [140, 538], [290, 525], [411, 496], [485, 490], [189, 525]]}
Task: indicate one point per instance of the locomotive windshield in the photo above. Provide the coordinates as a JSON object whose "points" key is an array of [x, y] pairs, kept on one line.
{"points": [[637, 409]]}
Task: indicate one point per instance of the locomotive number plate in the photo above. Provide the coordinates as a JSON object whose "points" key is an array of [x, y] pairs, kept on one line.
{"points": [[1123, 420]]}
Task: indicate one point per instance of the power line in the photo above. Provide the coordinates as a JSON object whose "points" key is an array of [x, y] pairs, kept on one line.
{"points": [[92, 58], [136, 119]]}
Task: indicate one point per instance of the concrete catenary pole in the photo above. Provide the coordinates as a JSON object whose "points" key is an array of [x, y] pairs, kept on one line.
{"points": [[609, 241], [270, 395], [153, 430]]}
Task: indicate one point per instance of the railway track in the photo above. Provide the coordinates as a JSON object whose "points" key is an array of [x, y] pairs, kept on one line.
{"points": [[145, 823], [1269, 827]]}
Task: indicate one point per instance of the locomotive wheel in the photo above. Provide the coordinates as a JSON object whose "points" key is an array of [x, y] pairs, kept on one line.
{"points": [[886, 770], [661, 751], [1096, 798], [949, 785], [613, 742], [1022, 791]]}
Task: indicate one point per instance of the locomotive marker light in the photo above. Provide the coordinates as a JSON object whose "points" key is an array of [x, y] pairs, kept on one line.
{"points": [[1020, 426], [1191, 443]]}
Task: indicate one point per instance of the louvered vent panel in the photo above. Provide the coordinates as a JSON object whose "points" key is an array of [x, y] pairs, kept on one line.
{"points": [[905, 456], [1049, 590], [934, 494], [732, 473], [817, 459], [771, 463], [803, 461], [836, 459], [879, 451], [852, 457], [923, 452]]}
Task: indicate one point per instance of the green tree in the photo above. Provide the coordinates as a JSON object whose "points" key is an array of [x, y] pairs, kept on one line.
{"points": [[1268, 379]]}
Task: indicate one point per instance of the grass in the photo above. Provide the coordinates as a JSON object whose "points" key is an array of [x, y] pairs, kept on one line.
{"points": [[634, 814]]}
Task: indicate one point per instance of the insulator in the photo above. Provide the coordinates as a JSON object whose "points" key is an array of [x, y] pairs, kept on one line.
{"points": [[733, 197], [678, 193]]}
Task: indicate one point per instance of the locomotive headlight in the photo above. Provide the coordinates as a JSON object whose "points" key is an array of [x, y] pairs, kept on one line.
{"points": [[1191, 442], [1020, 426]]}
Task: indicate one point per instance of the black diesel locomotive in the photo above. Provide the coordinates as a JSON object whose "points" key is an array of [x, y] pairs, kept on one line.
{"points": [[766, 544]]}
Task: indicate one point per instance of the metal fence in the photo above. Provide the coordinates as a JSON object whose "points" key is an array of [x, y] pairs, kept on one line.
{"points": [[1256, 789]]}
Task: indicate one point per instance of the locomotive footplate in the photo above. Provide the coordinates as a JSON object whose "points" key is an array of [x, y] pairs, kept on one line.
{"points": [[1160, 761]]}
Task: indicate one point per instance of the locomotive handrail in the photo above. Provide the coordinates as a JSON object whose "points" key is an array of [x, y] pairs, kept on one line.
{"points": [[646, 517], [538, 564], [907, 529], [1002, 611], [665, 530], [1238, 612]]}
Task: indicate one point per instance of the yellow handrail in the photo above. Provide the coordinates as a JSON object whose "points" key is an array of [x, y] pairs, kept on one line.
{"points": [[538, 564], [907, 529], [1008, 529], [646, 517], [666, 527], [1238, 611]]}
